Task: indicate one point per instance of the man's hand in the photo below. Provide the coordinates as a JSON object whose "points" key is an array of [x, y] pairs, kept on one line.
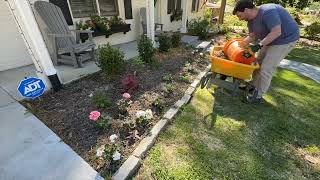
{"points": [[255, 48]]}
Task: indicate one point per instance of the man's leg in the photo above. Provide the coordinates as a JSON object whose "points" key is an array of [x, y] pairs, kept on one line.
{"points": [[274, 54], [260, 57]]}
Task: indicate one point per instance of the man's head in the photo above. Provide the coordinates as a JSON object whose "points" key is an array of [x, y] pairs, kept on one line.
{"points": [[245, 10]]}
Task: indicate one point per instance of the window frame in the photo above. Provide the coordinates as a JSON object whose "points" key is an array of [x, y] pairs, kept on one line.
{"points": [[97, 8], [128, 16], [195, 6]]}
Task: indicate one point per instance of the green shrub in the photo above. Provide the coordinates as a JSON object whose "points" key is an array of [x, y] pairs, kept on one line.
{"points": [[167, 78], [176, 39], [146, 49], [110, 60], [164, 42], [158, 103], [313, 30], [199, 28], [100, 99], [137, 61], [168, 89], [184, 78], [295, 14]]}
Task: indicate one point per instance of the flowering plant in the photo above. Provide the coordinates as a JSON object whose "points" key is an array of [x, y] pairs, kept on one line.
{"points": [[143, 117], [124, 103], [110, 151], [102, 120]]}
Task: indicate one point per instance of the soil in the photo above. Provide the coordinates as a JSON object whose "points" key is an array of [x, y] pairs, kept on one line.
{"points": [[66, 111]]}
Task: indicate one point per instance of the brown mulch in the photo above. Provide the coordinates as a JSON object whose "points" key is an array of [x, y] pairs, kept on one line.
{"points": [[66, 111]]}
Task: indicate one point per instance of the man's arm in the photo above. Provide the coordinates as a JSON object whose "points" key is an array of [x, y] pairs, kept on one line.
{"points": [[250, 38], [274, 34]]}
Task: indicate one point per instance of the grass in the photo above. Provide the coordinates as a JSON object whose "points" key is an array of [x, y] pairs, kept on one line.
{"points": [[242, 141], [309, 55]]}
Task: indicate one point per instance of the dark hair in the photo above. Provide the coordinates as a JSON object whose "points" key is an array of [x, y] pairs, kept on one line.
{"points": [[241, 5]]}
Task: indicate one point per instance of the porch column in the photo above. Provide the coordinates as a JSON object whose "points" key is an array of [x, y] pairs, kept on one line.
{"points": [[184, 16], [150, 19], [35, 43]]}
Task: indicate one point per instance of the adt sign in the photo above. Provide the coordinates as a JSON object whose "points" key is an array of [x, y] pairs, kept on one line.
{"points": [[31, 87]]}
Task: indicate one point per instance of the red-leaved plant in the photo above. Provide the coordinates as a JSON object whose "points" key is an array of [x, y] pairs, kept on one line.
{"points": [[129, 83]]}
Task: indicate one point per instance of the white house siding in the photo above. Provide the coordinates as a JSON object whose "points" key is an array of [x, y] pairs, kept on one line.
{"points": [[13, 51], [176, 25]]}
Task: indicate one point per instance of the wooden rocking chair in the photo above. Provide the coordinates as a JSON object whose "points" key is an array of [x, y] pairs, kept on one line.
{"points": [[67, 49]]}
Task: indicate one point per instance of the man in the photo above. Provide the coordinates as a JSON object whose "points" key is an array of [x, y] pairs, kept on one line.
{"points": [[275, 33]]}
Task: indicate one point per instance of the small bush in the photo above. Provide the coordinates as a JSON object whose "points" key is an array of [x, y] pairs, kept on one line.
{"points": [[158, 103], [110, 60], [295, 14], [164, 42], [313, 30], [138, 62], [167, 78], [199, 28], [168, 89], [146, 49], [185, 78], [176, 39], [100, 99]]}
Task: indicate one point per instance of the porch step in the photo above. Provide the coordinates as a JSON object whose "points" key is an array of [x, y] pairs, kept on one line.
{"points": [[189, 39]]}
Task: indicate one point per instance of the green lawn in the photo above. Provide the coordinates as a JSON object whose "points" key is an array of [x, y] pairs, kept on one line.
{"points": [[309, 55], [242, 141]]}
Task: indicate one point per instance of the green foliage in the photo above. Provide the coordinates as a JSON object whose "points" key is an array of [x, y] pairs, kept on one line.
{"points": [[300, 4], [158, 103], [104, 122], [82, 26], [199, 28], [295, 14], [100, 99], [167, 78], [184, 78], [176, 39], [99, 23], [146, 49], [137, 61], [110, 60], [164, 42], [115, 20], [313, 30], [155, 64], [168, 89]]}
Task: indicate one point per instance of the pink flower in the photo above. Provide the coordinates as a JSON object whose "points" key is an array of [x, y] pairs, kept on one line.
{"points": [[126, 96], [94, 115]]}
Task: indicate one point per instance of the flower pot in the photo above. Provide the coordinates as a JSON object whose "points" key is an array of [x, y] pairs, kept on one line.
{"points": [[120, 28], [235, 50]]}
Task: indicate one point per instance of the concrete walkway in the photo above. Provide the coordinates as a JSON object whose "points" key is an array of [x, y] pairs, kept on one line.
{"points": [[310, 71], [29, 150]]}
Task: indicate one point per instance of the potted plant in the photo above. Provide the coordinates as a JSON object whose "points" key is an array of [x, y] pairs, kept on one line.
{"points": [[176, 15], [118, 25]]}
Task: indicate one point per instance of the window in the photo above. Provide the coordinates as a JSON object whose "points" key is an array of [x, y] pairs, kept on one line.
{"points": [[173, 5], [86, 8], [195, 5], [128, 9]]}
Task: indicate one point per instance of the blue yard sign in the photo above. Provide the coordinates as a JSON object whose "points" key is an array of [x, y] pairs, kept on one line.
{"points": [[31, 87]]}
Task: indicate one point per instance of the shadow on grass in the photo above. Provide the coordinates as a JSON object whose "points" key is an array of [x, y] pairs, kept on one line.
{"points": [[245, 141], [309, 55]]}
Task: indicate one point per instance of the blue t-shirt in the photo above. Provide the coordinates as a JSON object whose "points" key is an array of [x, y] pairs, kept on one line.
{"points": [[271, 15]]}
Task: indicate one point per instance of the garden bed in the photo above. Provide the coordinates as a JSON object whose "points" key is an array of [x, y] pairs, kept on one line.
{"points": [[67, 112]]}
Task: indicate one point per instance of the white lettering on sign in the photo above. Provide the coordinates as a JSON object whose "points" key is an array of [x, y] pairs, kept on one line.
{"points": [[32, 87]]}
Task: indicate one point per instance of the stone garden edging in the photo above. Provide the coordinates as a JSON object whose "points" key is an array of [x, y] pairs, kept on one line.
{"points": [[132, 164]]}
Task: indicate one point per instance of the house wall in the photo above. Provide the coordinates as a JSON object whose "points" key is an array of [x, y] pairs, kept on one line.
{"points": [[13, 51], [176, 25]]}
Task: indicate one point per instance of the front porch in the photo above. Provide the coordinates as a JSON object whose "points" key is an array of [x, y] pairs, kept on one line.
{"points": [[10, 79]]}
